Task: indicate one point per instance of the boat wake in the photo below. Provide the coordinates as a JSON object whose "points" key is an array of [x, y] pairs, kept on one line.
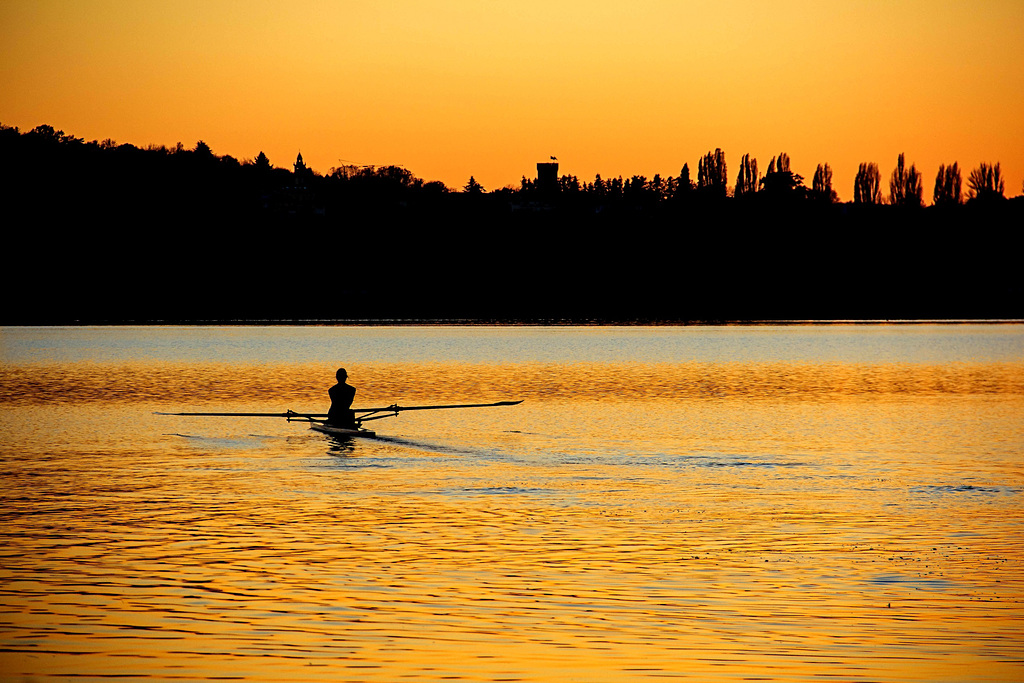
{"points": [[445, 449], [250, 441]]}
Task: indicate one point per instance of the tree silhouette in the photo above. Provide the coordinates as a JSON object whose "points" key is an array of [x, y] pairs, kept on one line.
{"points": [[866, 186], [905, 187], [947, 186], [986, 183], [683, 183], [779, 180], [473, 187], [400, 177], [711, 173], [821, 186], [747, 179], [669, 187], [435, 188], [657, 186], [49, 134], [635, 189]]}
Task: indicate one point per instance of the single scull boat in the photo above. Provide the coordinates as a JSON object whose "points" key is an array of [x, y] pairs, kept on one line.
{"points": [[318, 421]]}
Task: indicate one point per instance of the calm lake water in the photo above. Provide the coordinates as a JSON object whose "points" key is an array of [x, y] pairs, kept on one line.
{"points": [[731, 503]]}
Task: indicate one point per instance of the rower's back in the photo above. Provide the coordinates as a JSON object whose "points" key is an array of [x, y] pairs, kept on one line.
{"points": [[342, 394]]}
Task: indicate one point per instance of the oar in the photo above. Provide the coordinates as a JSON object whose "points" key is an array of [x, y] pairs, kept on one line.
{"points": [[396, 409], [288, 414], [388, 409]]}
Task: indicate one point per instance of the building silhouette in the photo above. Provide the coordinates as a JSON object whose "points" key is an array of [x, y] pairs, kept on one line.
{"points": [[302, 174], [547, 176]]}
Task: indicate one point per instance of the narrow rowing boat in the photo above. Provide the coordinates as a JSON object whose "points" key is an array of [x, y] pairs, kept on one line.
{"points": [[340, 432], [319, 423]]}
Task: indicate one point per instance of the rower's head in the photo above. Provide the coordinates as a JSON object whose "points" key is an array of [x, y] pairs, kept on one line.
{"points": [[341, 375]]}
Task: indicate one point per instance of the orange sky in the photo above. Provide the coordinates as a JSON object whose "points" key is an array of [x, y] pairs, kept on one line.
{"points": [[458, 87]]}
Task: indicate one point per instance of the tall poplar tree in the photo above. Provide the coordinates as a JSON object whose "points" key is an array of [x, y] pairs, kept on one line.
{"points": [[747, 179], [821, 186], [712, 173], [948, 184], [986, 183], [905, 188], [866, 186], [780, 181]]}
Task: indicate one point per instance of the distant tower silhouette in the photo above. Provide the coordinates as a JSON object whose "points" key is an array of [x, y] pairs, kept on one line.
{"points": [[302, 172], [547, 176]]}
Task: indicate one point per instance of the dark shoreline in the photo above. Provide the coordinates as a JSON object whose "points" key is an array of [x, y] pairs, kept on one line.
{"points": [[118, 235]]}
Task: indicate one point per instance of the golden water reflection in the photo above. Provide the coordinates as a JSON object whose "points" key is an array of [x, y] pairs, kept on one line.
{"points": [[627, 522], [403, 382]]}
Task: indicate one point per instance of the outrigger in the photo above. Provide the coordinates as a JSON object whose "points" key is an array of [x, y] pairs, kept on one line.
{"points": [[318, 421]]}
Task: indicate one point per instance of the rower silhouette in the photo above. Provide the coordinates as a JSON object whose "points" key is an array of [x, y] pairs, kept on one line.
{"points": [[342, 395]]}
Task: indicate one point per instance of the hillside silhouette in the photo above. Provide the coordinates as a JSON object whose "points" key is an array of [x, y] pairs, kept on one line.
{"points": [[100, 232]]}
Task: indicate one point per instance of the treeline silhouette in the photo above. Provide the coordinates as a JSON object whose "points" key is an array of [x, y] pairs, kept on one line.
{"points": [[107, 232]]}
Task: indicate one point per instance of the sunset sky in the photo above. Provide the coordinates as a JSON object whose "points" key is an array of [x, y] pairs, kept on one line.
{"points": [[455, 88]]}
